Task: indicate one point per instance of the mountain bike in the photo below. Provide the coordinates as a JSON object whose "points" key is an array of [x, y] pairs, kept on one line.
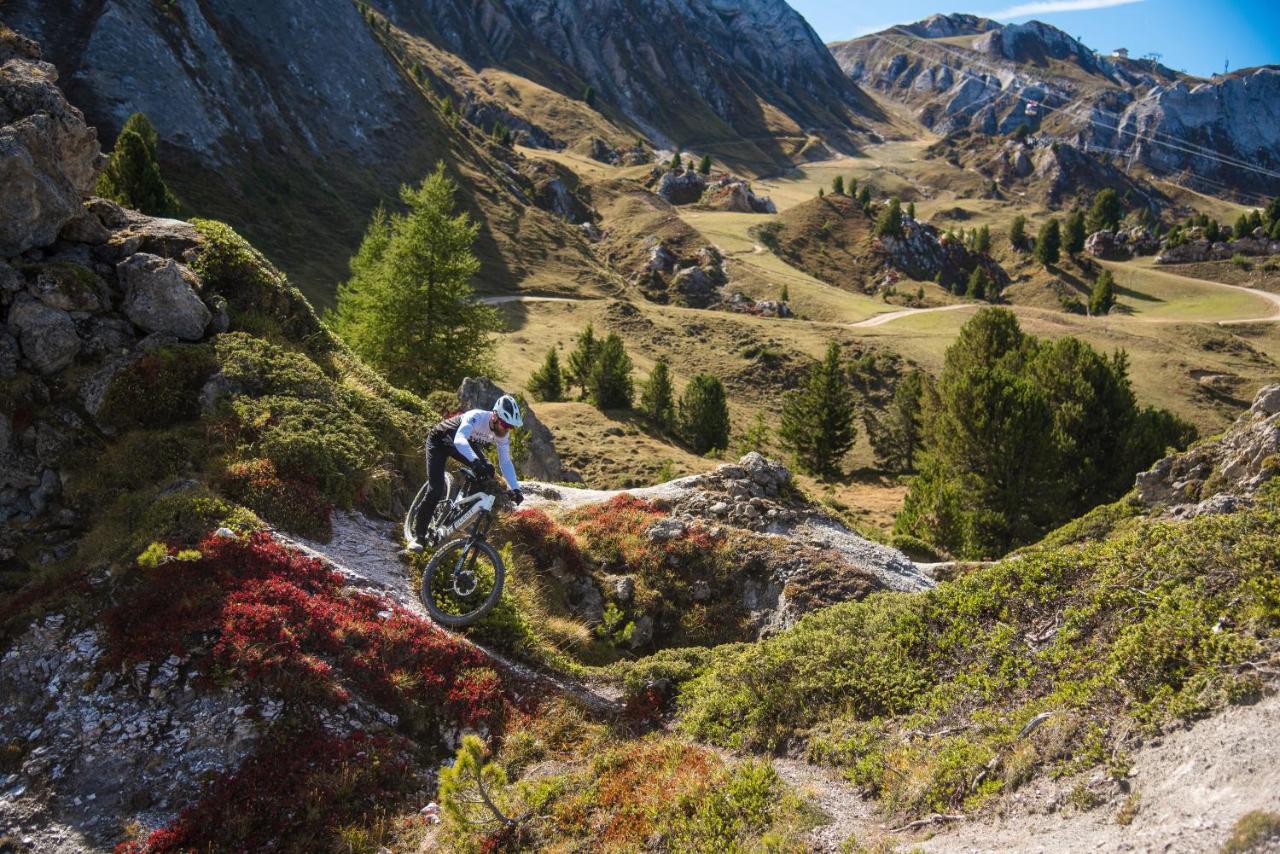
{"points": [[463, 580]]}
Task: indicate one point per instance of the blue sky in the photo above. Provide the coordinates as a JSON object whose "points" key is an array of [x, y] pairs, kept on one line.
{"points": [[1196, 35]]}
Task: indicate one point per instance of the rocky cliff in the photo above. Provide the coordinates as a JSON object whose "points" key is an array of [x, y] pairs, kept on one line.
{"points": [[960, 72]]}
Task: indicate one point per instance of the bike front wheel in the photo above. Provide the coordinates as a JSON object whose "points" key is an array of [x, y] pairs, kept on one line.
{"points": [[462, 582]]}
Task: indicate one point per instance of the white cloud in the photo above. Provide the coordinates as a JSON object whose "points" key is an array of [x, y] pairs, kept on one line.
{"points": [[1045, 7]]}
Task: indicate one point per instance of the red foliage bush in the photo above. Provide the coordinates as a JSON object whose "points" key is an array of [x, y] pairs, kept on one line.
{"points": [[535, 533], [283, 620], [291, 796], [293, 504], [160, 388]]}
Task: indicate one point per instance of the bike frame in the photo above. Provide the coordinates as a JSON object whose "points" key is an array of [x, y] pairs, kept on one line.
{"points": [[472, 506]]}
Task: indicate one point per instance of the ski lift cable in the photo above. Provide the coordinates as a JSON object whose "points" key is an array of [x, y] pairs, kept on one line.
{"points": [[1151, 136]]}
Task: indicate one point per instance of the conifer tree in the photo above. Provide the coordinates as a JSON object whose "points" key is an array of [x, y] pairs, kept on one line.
{"points": [[582, 360], [1106, 212], [1073, 234], [704, 166], [982, 243], [1049, 243], [657, 398], [589, 95], [1212, 231], [609, 385], [911, 210], [852, 187], [547, 383], [977, 287], [817, 420], [1018, 232], [785, 296], [1103, 295], [1242, 228], [408, 308], [837, 185], [704, 414], [864, 197], [132, 175], [890, 222], [896, 429], [675, 161]]}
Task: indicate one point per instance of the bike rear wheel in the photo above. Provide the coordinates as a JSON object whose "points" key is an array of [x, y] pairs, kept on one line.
{"points": [[462, 582], [446, 503]]}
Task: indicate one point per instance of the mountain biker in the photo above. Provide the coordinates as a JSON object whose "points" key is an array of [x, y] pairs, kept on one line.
{"points": [[455, 437]]}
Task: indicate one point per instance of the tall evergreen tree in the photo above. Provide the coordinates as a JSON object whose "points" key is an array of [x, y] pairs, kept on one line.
{"points": [[657, 398], [895, 431], [1103, 295], [1049, 243], [1018, 232], [132, 175], [547, 383], [704, 165], [817, 420], [785, 296], [1073, 234], [851, 186], [609, 386], [977, 286], [408, 308], [864, 197], [583, 359], [911, 210], [982, 243], [589, 95], [1242, 228], [837, 185], [1106, 212], [704, 414], [1212, 231], [1271, 215], [675, 161], [890, 222]]}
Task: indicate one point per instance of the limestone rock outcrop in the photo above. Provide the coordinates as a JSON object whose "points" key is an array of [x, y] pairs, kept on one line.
{"points": [[49, 157], [541, 462]]}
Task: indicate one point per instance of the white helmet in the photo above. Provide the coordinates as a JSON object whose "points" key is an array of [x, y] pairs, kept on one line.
{"points": [[508, 411]]}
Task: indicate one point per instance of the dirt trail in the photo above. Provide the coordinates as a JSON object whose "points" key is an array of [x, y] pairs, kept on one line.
{"points": [[367, 553]]}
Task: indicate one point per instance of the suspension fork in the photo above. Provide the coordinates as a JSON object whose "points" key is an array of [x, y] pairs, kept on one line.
{"points": [[478, 532]]}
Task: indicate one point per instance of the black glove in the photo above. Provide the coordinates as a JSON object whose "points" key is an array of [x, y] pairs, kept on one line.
{"points": [[482, 468], [516, 496]]}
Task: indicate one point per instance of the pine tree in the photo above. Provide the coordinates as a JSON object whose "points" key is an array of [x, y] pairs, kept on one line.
{"points": [[657, 398], [890, 222], [1049, 243], [785, 296], [589, 95], [911, 210], [977, 288], [1018, 232], [982, 243], [547, 383], [895, 431], [704, 166], [704, 414], [821, 192], [1103, 295], [1242, 226], [472, 789], [852, 186], [132, 175], [864, 197], [1106, 212], [1073, 234], [1212, 231], [582, 360], [817, 420], [1271, 215], [837, 185], [609, 386], [408, 308], [675, 161]]}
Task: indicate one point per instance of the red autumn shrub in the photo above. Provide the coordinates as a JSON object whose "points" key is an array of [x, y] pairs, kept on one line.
{"points": [[292, 796], [160, 388], [283, 621], [537, 535], [293, 504]]}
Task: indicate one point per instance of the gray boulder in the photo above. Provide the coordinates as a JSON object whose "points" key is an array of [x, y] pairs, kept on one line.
{"points": [[541, 462], [49, 157], [69, 287], [1106, 245], [47, 334], [681, 188], [160, 296]]}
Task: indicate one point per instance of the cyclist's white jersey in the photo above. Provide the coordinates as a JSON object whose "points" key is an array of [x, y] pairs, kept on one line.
{"points": [[473, 426]]}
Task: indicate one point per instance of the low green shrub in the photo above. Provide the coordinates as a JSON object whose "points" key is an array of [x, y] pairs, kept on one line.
{"points": [[159, 389]]}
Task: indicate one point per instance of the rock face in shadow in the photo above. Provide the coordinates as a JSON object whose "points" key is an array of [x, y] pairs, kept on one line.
{"points": [[49, 157]]}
